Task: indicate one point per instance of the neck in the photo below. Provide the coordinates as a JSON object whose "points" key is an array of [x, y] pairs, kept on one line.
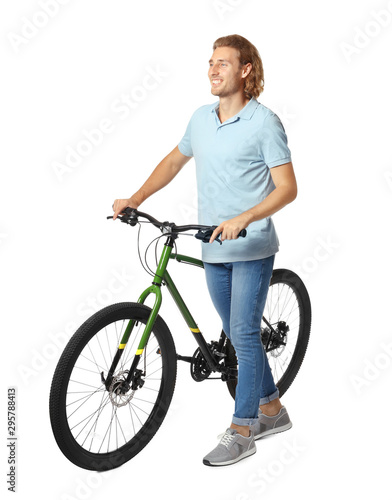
{"points": [[231, 105]]}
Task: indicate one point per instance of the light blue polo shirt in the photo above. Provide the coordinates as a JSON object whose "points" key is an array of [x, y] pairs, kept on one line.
{"points": [[233, 161]]}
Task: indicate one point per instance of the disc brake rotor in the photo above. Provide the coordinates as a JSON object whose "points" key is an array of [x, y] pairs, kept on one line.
{"points": [[116, 392]]}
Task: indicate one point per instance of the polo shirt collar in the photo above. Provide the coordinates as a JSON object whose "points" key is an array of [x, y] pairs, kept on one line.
{"points": [[245, 113]]}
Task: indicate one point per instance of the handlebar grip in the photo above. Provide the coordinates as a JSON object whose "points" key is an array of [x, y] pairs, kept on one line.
{"points": [[242, 233]]}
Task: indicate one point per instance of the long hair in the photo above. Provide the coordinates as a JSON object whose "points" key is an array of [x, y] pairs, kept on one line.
{"points": [[254, 82]]}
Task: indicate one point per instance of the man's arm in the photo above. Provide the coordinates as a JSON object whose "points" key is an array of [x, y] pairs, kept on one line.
{"points": [[285, 192], [165, 172]]}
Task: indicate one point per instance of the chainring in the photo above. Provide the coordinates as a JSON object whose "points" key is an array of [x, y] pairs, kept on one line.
{"points": [[199, 368]]}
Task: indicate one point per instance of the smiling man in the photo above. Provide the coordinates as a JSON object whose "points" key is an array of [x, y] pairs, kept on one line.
{"points": [[244, 175]]}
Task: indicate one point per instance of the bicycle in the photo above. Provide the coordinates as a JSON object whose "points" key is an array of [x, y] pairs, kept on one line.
{"points": [[114, 381]]}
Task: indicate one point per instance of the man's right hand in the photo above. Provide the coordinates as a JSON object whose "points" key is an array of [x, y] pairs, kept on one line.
{"points": [[120, 205]]}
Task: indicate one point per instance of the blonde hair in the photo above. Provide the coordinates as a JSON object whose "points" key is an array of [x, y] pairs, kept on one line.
{"points": [[254, 82]]}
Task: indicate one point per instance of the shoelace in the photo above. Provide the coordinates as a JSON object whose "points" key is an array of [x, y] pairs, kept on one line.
{"points": [[227, 438]]}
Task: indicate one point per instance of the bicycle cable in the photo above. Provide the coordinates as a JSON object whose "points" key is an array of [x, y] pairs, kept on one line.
{"points": [[145, 265], [145, 253], [138, 251]]}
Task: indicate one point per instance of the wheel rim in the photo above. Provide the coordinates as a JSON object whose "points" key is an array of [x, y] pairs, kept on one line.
{"points": [[101, 421]]}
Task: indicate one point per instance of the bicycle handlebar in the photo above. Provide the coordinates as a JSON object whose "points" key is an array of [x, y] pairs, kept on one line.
{"points": [[204, 232]]}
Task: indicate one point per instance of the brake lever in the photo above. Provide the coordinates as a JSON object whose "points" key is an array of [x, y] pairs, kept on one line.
{"points": [[205, 234], [118, 217], [128, 218]]}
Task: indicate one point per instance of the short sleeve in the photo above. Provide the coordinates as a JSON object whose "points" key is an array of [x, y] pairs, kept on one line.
{"points": [[185, 145], [274, 148]]}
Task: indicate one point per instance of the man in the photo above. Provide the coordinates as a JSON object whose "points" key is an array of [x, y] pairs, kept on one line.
{"points": [[244, 175]]}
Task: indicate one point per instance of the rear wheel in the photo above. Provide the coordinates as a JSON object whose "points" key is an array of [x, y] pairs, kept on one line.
{"points": [[285, 329], [98, 427]]}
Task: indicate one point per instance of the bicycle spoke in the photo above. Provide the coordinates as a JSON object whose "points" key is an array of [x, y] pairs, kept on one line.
{"points": [[82, 392], [99, 368], [152, 350], [89, 417], [286, 300], [84, 402], [133, 423], [108, 430], [122, 432], [103, 355], [107, 340], [151, 362], [117, 335], [95, 427], [144, 400], [82, 383], [141, 409], [85, 369], [149, 388], [137, 416], [84, 397], [149, 376]]}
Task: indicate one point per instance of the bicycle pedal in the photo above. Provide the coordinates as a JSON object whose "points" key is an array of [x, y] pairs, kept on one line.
{"points": [[220, 354]]}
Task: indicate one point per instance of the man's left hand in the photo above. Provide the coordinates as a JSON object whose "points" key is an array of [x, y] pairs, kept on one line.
{"points": [[231, 228]]}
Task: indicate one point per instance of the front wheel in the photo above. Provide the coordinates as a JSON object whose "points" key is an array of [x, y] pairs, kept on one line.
{"points": [[285, 329], [98, 427]]}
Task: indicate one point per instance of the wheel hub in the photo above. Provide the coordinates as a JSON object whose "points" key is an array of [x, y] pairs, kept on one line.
{"points": [[275, 343]]}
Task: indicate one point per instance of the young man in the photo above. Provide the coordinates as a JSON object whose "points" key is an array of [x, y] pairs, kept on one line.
{"points": [[244, 175]]}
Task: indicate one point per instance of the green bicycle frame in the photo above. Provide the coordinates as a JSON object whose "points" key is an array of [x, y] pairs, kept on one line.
{"points": [[162, 276]]}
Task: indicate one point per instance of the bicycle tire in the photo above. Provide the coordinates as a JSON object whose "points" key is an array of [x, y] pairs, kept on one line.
{"points": [[108, 320], [293, 281]]}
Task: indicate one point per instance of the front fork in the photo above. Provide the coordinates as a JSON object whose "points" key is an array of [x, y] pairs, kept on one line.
{"points": [[155, 289], [143, 341]]}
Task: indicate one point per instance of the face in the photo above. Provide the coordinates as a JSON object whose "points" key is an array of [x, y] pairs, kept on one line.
{"points": [[226, 74]]}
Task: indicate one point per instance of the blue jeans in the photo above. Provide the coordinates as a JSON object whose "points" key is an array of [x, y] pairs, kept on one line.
{"points": [[238, 291]]}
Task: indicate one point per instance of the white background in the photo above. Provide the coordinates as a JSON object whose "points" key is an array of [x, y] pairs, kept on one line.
{"points": [[328, 77]]}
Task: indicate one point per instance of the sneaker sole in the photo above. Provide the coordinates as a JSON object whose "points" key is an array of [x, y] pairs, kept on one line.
{"points": [[220, 464], [274, 431]]}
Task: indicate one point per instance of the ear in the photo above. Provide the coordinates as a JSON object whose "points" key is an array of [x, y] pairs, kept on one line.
{"points": [[246, 70]]}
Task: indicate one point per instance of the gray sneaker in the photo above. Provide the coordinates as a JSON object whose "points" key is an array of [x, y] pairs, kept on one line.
{"points": [[231, 448], [271, 425]]}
